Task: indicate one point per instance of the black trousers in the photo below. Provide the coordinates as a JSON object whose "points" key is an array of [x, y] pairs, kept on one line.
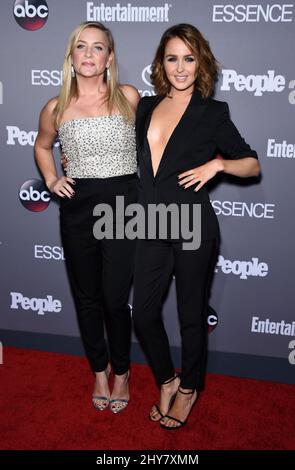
{"points": [[155, 262], [100, 271]]}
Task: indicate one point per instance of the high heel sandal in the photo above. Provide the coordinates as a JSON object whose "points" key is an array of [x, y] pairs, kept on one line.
{"points": [[156, 406], [180, 423], [101, 402], [119, 404]]}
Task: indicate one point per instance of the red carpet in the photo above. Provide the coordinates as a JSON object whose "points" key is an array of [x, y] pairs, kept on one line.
{"points": [[46, 404]]}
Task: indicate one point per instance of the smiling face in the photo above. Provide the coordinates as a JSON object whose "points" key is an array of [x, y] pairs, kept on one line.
{"points": [[91, 54], [180, 65]]}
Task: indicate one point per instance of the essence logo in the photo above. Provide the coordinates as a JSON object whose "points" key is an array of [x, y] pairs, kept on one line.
{"points": [[253, 13], [48, 252], [34, 195], [46, 77], [30, 14]]}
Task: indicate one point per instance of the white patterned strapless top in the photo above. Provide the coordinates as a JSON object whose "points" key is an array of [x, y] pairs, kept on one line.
{"points": [[99, 147]]}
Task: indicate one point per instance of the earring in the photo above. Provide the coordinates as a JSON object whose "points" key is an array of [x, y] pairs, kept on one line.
{"points": [[73, 73], [108, 74]]}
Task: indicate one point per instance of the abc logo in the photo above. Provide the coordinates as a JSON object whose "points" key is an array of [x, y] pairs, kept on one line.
{"points": [[34, 195], [212, 319], [30, 14]]}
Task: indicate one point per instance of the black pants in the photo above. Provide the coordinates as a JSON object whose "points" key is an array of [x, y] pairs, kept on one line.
{"points": [[100, 271], [154, 264]]}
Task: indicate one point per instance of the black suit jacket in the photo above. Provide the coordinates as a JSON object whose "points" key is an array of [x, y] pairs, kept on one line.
{"points": [[204, 128]]}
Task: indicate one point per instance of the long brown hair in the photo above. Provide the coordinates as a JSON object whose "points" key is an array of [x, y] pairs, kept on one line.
{"points": [[207, 65], [115, 97]]}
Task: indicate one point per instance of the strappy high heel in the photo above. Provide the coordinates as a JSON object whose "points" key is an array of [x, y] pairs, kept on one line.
{"points": [[119, 404], [156, 406], [101, 402], [180, 423]]}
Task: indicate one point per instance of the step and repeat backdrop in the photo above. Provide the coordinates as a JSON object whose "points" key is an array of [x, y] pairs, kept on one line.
{"points": [[251, 303]]}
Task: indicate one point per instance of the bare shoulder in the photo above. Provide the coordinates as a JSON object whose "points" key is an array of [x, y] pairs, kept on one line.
{"points": [[46, 121], [131, 93], [49, 107]]}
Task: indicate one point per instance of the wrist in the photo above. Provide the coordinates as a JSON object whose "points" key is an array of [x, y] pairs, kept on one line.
{"points": [[50, 181], [219, 165]]}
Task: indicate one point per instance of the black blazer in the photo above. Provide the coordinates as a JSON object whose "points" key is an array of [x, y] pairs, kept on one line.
{"points": [[204, 128]]}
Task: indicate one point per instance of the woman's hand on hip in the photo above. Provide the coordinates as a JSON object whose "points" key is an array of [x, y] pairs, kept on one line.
{"points": [[64, 161], [62, 187], [200, 174]]}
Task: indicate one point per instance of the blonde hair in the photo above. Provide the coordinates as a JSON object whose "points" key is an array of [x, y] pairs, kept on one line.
{"points": [[115, 97]]}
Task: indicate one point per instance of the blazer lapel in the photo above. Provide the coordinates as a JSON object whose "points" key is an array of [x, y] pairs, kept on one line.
{"points": [[189, 120], [143, 126]]}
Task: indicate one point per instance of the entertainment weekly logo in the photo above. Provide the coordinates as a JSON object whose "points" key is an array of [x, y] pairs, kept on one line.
{"points": [[269, 82], [291, 357], [276, 328], [253, 13], [282, 149], [128, 13], [268, 327], [30, 14]]}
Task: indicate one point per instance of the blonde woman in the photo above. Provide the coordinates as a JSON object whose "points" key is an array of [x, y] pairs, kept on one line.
{"points": [[94, 119]]}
